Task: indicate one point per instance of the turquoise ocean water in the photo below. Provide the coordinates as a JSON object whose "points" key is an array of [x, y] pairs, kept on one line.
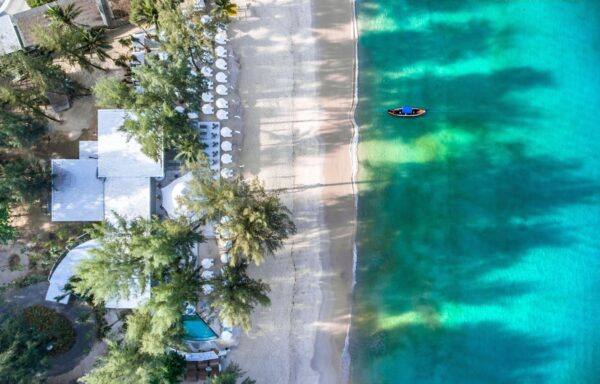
{"points": [[479, 224]]}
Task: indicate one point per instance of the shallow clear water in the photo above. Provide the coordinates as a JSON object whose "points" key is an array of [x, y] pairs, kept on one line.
{"points": [[479, 250]]}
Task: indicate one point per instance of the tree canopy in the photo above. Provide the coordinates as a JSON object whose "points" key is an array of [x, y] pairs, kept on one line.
{"points": [[222, 9], [256, 221], [230, 375], [157, 323], [18, 130], [125, 364], [22, 351], [23, 179], [156, 124], [69, 41], [235, 295], [136, 253], [7, 231], [27, 77]]}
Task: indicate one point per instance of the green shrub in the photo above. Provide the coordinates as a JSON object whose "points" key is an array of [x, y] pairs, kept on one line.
{"points": [[28, 280], [56, 327], [37, 3]]}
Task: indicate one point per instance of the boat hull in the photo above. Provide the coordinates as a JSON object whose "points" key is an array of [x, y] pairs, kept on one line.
{"points": [[397, 112]]}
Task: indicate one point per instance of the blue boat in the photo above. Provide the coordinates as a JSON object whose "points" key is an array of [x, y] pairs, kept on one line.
{"points": [[406, 111]]}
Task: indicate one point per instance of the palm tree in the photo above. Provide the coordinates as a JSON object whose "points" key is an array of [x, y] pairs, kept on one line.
{"points": [[257, 223], [235, 295], [63, 15], [222, 9], [189, 150], [95, 42], [144, 13], [230, 375]]}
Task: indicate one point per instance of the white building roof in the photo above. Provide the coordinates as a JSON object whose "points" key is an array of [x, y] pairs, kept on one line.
{"points": [[66, 269], [9, 41], [172, 195], [134, 300], [88, 149], [128, 197], [118, 156], [77, 193]]}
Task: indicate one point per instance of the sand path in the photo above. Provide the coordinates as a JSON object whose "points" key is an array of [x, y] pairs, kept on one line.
{"points": [[296, 60]]}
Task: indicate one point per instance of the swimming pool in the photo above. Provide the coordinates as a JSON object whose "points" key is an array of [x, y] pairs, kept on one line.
{"points": [[196, 329]]}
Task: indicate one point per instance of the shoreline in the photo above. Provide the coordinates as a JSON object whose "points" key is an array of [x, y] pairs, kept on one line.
{"points": [[296, 87], [339, 37]]}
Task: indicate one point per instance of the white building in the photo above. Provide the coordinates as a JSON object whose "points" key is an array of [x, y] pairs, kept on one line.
{"points": [[66, 269], [111, 176], [9, 40]]}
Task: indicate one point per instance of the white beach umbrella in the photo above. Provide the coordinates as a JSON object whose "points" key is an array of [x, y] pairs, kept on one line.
{"points": [[225, 258], [227, 173], [222, 114], [221, 64], [222, 103], [205, 19], [207, 263], [222, 90], [208, 109], [179, 109], [207, 97], [220, 39], [226, 132], [206, 71], [207, 274], [226, 158], [221, 77], [192, 115], [207, 289], [222, 35], [210, 84], [226, 146], [172, 193], [220, 51], [226, 335]]}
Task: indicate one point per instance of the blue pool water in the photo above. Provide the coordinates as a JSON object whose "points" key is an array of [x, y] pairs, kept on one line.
{"points": [[479, 223], [196, 329]]}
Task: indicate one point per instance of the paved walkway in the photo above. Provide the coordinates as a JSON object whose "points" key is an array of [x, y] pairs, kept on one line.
{"points": [[85, 333]]}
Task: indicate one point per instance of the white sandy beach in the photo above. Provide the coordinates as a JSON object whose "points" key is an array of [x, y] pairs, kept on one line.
{"points": [[296, 87]]}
